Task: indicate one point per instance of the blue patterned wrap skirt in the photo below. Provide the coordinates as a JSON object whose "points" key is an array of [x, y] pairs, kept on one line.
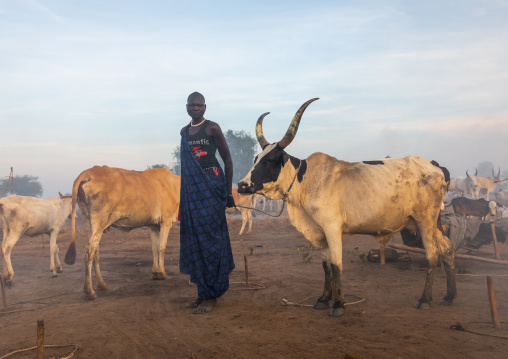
{"points": [[205, 248]]}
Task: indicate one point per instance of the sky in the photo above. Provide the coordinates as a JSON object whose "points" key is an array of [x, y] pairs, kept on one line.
{"points": [[85, 83]]}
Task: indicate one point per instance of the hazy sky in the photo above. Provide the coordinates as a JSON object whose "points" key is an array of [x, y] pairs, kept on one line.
{"points": [[86, 83]]}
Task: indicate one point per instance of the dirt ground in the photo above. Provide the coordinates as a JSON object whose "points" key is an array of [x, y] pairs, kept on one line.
{"points": [[141, 318]]}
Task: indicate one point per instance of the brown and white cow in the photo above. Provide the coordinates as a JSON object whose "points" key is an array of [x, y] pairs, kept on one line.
{"points": [[328, 199], [244, 203], [124, 199], [480, 208], [31, 216]]}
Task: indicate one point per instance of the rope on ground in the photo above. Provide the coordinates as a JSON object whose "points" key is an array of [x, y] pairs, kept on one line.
{"points": [[35, 301], [461, 328], [284, 301], [45, 346], [41, 306], [256, 286], [482, 275]]}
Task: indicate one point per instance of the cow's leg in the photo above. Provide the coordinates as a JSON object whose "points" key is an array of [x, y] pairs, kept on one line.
{"points": [[90, 255], [334, 240], [99, 281], [8, 242], [382, 241], [155, 237], [159, 242], [428, 232], [448, 257], [243, 211], [53, 251], [249, 220], [323, 301]]}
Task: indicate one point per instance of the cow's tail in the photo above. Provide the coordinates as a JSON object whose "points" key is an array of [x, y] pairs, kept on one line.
{"points": [[449, 204], [70, 256]]}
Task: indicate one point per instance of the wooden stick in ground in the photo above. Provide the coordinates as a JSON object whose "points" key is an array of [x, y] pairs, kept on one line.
{"points": [[493, 305], [4, 297], [465, 248], [382, 258], [246, 270], [494, 239], [40, 339], [462, 256]]}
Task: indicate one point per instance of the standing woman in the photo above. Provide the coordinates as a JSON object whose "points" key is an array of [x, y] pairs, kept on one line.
{"points": [[205, 248]]}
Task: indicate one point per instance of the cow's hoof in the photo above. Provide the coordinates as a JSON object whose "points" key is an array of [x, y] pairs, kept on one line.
{"points": [[54, 275], [321, 305], [102, 287], [90, 296], [8, 283], [445, 302], [422, 306], [337, 312], [59, 269], [158, 276]]}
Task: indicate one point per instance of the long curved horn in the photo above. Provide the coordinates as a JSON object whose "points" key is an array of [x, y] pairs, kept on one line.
{"points": [[476, 173], [467, 174], [498, 173], [259, 131], [293, 127]]}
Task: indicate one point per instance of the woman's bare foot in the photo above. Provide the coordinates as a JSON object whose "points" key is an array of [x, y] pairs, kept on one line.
{"points": [[206, 306], [195, 303]]}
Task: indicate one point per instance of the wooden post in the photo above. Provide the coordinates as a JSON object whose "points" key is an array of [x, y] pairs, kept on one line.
{"points": [[40, 339], [494, 239], [4, 298], [457, 255], [382, 258], [493, 306], [246, 270]]}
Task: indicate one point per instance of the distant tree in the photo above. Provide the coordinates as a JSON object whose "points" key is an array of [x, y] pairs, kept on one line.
{"points": [[176, 167], [484, 169], [242, 147], [24, 186], [162, 165]]}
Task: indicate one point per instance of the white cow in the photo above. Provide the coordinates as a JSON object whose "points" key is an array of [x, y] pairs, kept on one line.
{"points": [[31, 216], [487, 185], [268, 201], [465, 186]]}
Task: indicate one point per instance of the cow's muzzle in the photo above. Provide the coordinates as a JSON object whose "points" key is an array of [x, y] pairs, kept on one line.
{"points": [[244, 187]]}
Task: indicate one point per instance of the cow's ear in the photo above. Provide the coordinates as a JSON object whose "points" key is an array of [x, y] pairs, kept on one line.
{"points": [[61, 196], [283, 158]]}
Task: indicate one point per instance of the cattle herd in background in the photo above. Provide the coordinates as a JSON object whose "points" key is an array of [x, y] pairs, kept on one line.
{"points": [[471, 195], [324, 206]]}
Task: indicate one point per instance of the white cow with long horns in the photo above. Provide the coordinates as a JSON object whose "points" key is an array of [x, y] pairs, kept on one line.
{"points": [[328, 199]]}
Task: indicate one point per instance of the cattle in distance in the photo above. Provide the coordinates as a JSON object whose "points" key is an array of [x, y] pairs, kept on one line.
{"points": [[480, 208], [244, 203]]}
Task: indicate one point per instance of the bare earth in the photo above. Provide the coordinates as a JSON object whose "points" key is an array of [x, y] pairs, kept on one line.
{"points": [[141, 318]]}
